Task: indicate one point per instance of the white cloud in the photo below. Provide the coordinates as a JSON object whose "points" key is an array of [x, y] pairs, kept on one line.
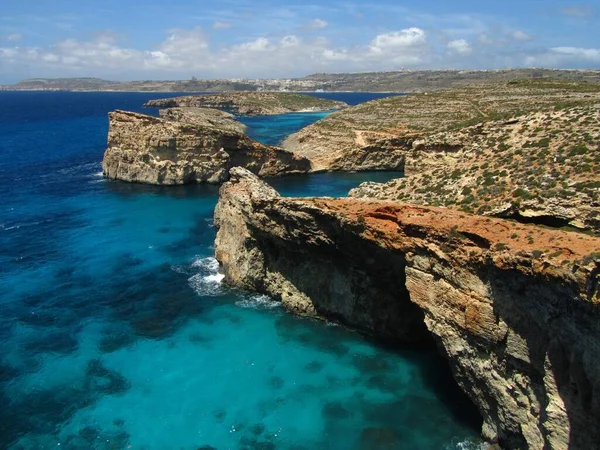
{"points": [[290, 41], [317, 24], [218, 25], [460, 46], [258, 45], [521, 36], [187, 52], [565, 57], [586, 54], [14, 37], [484, 39], [399, 40], [577, 11]]}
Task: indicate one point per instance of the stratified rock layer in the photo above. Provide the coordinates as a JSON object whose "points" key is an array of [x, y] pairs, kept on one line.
{"points": [[519, 322], [188, 145]]}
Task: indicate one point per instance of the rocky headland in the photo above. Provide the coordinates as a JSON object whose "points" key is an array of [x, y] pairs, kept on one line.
{"points": [[188, 145], [518, 319], [252, 103], [526, 149]]}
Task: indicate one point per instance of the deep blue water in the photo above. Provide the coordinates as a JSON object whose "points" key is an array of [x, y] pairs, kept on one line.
{"points": [[261, 127], [116, 332]]}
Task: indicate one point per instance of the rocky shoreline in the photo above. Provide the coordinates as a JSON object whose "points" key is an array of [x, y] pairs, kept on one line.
{"points": [[519, 325], [188, 145], [512, 305]]}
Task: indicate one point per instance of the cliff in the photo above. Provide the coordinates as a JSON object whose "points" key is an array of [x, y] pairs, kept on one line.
{"points": [[252, 103], [519, 321], [527, 150], [188, 146]]}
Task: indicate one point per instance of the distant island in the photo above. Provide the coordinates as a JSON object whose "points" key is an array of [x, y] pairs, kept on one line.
{"points": [[251, 103], [192, 142], [393, 81]]}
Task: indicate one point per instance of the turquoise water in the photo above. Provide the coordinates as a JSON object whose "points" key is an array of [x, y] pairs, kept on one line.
{"points": [[116, 331]]}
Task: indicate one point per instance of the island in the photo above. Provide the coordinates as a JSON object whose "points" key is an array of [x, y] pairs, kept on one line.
{"points": [[188, 145], [252, 103], [195, 141], [489, 246]]}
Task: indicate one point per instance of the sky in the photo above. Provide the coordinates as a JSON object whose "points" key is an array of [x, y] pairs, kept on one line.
{"points": [[156, 39]]}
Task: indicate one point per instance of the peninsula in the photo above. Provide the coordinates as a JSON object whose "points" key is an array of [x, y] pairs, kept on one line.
{"points": [[525, 149], [512, 304]]}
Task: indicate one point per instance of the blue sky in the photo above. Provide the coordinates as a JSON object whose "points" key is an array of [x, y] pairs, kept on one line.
{"points": [[127, 40]]}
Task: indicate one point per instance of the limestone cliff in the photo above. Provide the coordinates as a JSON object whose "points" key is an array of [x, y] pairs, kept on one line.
{"points": [[188, 146], [518, 321]]}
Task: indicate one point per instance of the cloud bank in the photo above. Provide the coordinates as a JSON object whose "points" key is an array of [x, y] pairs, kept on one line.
{"points": [[188, 52]]}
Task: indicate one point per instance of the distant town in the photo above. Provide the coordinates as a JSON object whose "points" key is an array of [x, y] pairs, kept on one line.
{"points": [[393, 81]]}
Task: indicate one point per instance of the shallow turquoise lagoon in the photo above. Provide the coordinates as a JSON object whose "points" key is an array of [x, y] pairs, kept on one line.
{"points": [[116, 331]]}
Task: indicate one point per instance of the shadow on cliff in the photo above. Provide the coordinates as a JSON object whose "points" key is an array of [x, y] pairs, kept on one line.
{"points": [[362, 285], [561, 333]]}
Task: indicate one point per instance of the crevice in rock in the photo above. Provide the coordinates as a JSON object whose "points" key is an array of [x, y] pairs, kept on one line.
{"points": [[548, 221]]}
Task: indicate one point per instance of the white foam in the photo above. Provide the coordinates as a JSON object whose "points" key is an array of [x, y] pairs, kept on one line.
{"points": [[469, 445], [208, 280], [206, 284], [258, 302], [208, 263], [216, 278], [19, 225]]}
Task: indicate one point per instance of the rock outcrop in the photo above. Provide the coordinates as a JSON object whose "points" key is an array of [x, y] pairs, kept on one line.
{"points": [[518, 321], [204, 116], [188, 145], [346, 150], [252, 103]]}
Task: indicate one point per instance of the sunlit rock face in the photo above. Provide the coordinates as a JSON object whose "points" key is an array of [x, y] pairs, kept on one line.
{"points": [[187, 146], [519, 325]]}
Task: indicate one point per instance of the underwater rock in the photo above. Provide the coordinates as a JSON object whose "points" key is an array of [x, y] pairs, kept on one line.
{"points": [[103, 380]]}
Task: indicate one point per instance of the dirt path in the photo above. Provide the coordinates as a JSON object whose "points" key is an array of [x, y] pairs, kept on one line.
{"points": [[361, 140]]}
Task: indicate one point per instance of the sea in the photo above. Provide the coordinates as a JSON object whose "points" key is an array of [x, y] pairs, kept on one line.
{"points": [[117, 331]]}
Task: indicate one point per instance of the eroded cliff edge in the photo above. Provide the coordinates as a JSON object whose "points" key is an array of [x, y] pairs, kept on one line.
{"points": [[518, 321], [188, 145]]}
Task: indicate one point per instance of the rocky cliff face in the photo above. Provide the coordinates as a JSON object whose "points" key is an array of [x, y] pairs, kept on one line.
{"points": [[518, 321], [340, 149], [188, 146]]}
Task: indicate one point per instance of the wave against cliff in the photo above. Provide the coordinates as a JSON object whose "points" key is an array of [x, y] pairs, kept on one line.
{"points": [[518, 321]]}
